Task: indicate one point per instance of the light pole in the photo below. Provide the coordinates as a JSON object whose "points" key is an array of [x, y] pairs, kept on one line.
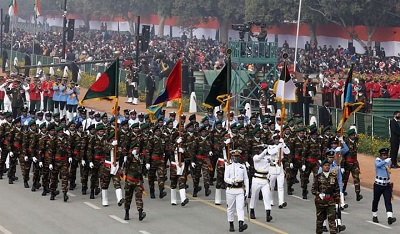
{"points": [[64, 30]]}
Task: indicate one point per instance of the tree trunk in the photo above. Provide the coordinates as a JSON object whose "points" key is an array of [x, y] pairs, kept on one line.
{"points": [[160, 32], [132, 25], [223, 30], [86, 21], [312, 28]]}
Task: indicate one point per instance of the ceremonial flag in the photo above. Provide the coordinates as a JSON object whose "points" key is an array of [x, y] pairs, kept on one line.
{"points": [[155, 112], [284, 88], [36, 8], [348, 101], [219, 90], [173, 86], [13, 8], [106, 87]]}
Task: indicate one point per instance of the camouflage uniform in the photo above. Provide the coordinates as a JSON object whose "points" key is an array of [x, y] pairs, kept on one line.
{"points": [[351, 165], [296, 157], [16, 137], [203, 150], [5, 130], [217, 160], [84, 169], [29, 148], [44, 158], [326, 206], [311, 155]]}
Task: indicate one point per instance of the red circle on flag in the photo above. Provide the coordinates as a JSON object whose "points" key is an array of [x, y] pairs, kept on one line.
{"points": [[101, 84]]}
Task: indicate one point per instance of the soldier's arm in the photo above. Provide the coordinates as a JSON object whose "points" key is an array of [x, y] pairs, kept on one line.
{"points": [[25, 144], [90, 149], [315, 186]]}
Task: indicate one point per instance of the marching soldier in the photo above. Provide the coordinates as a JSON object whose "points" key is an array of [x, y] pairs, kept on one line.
{"points": [[110, 171], [29, 144], [296, 160], [177, 170], [237, 190], [47, 134], [74, 144], [240, 142], [383, 186], [5, 130], [189, 141], [218, 159], [326, 191], [84, 154], [16, 137]]}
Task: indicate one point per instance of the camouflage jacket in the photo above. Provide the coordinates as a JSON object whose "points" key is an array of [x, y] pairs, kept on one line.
{"points": [[16, 137], [218, 137], [98, 147], [30, 143], [329, 186], [296, 148], [5, 129], [203, 146], [155, 147], [312, 149]]}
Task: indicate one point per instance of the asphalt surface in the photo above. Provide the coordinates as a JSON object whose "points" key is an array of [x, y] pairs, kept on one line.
{"points": [[23, 211]]}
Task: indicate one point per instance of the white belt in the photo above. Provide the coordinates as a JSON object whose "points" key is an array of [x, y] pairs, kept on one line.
{"points": [[382, 181], [108, 162], [261, 175]]}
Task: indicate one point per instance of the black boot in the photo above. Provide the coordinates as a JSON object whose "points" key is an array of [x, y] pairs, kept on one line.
{"points": [[142, 214], [97, 191], [375, 219], [45, 191], [305, 192], [38, 185], [162, 193], [252, 214], [65, 197], [26, 185], [269, 217], [196, 189], [84, 188], [242, 226], [359, 196], [122, 201], [52, 196], [92, 194], [324, 229], [186, 201], [391, 220], [10, 181], [231, 227], [126, 215], [33, 188], [72, 185], [152, 194], [341, 228], [284, 204], [289, 190], [207, 192]]}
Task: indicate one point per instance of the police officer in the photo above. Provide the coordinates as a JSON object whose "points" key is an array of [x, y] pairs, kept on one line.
{"points": [[383, 186]]}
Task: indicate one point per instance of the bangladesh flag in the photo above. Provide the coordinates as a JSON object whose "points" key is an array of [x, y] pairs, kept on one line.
{"points": [[106, 87]]}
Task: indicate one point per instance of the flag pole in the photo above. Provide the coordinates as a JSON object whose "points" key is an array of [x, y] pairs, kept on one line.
{"points": [[116, 108], [180, 114], [228, 104], [297, 36], [283, 111]]}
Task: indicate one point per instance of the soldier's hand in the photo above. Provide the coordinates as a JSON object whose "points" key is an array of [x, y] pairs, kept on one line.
{"points": [[303, 168], [40, 164], [83, 163], [11, 154], [114, 143], [134, 152], [70, 160], [51, 167], [125, 159], [337, 150], [322, 196], [281, 140], [388, 160], [148, 166], [291, 165], [26, 158], [91, 165], [34, 159], [210, 153], [227, 141], [342, 170], [193, 165], [181, 150], [179, 140]]}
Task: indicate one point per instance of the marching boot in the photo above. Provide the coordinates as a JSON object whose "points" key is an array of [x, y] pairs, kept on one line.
{"points": [[231, 227], [65, 197], [142, 214], [91, 193], [84, 189], [135, 101], [207, 191], [72, 185], [391, 219], [33, 188], [14, 178], [184, 199], [163, 193], [305, 192], [340, 227], [269, 217], [289, 189], [45, 191], [196, 189], [217, 197], [52, 196], [10, 181], [126, 214], [26, 185], [359, 196], [38, 185], [104, 197], [375, 219], [252, 214], [120, 199], [97, 191], [152, 194], [129, 100], [284, 204], [173, 197], [242, 226]]}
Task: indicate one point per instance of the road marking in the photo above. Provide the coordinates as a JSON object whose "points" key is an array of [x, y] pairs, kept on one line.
{"points": [[5, 230], [300, 198], [378, 224], [91, 205], [344, 212], [71, 194], [144, 232], [118, 219]]}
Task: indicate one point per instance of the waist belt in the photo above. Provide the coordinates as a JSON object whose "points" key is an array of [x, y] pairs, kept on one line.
{"points": [[57, 157], [131, 178], [202, 156], [99, 157], [16, 145], [76, 152], [351, 160], [382, 180], [238, 185], [47, 155], [261, 175], [221, 161], [312, 160], [296, 156], [154, 157]]}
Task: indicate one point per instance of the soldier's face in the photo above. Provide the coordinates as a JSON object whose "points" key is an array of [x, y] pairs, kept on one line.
{"points": [[287, 131], [253, 120], [242, 130], [52, 132], [125, 127], [326, 167], [352, 136], [100, 132], [33, 127], [60, 133], [301, 134], [80, 129], [218, 126], [170, 125]]}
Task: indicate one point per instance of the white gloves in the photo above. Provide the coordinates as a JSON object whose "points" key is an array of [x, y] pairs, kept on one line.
{"points": [[134, 152], [26, 158], [34, 159], [388, 160], [181, 150], [322, 196], [341, 139], [148, 166], [227, 141], [83, 163], [281, 140], [40, 164], [303, 168], [125, 159], [51, 167], [69, 160], [91, 165], [179, 140], [114, 143], [281, 145], [291, 165], [247, 165], [193, 164], [210, 153], [11, 154], [342, 170], [319, 161], [338, 149]]}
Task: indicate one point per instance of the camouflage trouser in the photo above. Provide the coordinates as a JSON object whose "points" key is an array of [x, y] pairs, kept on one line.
{"points": [[310, 167], [60, 169], [25, 167], [354, 168], [45, 172], [214, 160], [74, 169], [293, 172], [325, 209], [220, 183], [105, 179], [13, 166], [3, 160], [202, 164], [156, 166], [84, 172], [133, 186], [98, 170], [175, 179], [36, 172]]}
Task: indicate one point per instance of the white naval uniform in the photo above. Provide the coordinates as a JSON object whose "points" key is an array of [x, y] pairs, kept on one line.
{"points": [[261, 180], [277, 173], [236, 173]]}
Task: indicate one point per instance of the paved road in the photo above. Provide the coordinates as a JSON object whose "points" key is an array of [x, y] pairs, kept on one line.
{"points": [[23, 211]]}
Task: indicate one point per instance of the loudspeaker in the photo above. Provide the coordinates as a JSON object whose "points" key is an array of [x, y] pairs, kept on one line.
{"points": [[185, 79], [70, 30], [6, 24], [145, 37]]}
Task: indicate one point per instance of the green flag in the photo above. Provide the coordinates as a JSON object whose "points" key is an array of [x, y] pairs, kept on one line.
{"points": [[218, 88]]}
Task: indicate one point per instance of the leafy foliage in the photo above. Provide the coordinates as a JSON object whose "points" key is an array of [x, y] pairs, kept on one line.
{"points": [[371, 146]]}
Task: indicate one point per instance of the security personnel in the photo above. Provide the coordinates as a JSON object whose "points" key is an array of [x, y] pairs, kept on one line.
{"points": [[5, 129], [177, 169], [296, 160], [74, 143], [109, 171], [84, 169], [29, 146], [43, 155], [16, 149], [383, 186], [237, 190], [217, 160], [326, 191]]}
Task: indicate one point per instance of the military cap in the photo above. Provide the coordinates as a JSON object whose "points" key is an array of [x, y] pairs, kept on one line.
{"points": [[97, 115], [59, 128], [220, 112], [141, 115], [16, 120], [290, 119], [298, 121], [236, 153], [172, 114], [70, 123], [132, 112], [301, 129], [91, 112], [126, 111], [8, 114], [104, 115], [48, 114], [255, 130], [32, 112], [218, 122], [78, 125], [135, 125], [330, 153], [135, 144], [168, 121], [32, 122], [124, 122], [146, 116], [239, 126], [51, 127], [285, 127], [43, 125], [56, 115], [111, 135], [240, 117], [40, 113], [234, 125], [183, 117], [351, 131], [276, 135], [325, 161], [99, 127], [270, 122], [145, 126], [83, 111], [327, 128], [191, 124], [203, 128], [384, 151], [192, 117], [265, 121], [253, 116], [204, 119], [92, 126]]}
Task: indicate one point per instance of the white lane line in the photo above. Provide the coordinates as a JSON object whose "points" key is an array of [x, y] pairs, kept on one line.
{"points": [[144, 232], [300, 198], [378, 224], [344, 212], [118, 219], [4, 230], [71, 194], [91, 205]]}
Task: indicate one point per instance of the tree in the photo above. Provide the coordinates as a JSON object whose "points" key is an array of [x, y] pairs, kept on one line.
{"points": [[164, 10], [86, 9]]}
